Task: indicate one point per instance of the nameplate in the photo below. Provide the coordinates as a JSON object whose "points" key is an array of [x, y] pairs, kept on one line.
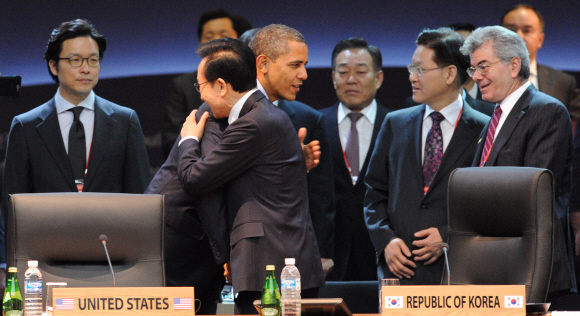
{"points": [[68, 301], [497, 300]]}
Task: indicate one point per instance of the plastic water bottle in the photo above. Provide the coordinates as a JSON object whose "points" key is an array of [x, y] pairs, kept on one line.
{"points": [[32, 290], [290, 280]]}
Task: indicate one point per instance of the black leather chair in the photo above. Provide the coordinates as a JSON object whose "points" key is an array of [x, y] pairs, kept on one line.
{"points": [[361, 297], [501, 228], [62, 230]]}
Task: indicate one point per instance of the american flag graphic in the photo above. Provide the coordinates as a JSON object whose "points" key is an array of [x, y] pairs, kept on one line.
{"points": [[65, 304], [181, 303]]}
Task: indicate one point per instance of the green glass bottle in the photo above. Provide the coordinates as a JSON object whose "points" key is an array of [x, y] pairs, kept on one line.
{"points": [[12, 303], [270, 294]]}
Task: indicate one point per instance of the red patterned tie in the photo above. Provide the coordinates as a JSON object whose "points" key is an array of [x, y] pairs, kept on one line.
{"points": [[433, 149], [490, 136]]}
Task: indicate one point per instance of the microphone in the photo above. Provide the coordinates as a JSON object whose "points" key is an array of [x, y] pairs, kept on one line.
{"points": [[445, 248], [103, 238]]}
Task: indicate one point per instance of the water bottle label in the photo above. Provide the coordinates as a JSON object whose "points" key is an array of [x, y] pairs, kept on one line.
{"points": [[33, 287], [289, 284]]}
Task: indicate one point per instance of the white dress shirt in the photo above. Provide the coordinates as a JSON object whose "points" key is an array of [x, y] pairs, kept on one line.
{"points": [[508, 104], [66, 118], [364, 127], [451, 113]]}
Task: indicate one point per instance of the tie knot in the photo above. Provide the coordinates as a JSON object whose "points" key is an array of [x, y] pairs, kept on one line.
{"points": [[497, 110], [437, 117], [354, 116], [77, 112]]}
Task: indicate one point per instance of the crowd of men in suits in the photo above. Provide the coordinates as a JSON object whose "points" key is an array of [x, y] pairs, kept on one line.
{"points": [[353, 192]]}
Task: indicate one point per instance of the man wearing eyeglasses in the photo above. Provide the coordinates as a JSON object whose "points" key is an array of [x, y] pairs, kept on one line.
{"points": [[77, 141], [528, 128], [417, 149]]}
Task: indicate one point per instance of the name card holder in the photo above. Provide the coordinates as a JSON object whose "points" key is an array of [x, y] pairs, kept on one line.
{"points": [[497, 300], [123, 301]]}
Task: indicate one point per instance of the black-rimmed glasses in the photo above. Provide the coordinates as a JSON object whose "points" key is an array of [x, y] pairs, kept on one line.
{"points": [[77, 61], [198, 85]]}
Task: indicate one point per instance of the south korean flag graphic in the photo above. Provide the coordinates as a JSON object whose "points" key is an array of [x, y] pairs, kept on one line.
{"points": [[393, 302], [514, 301]]}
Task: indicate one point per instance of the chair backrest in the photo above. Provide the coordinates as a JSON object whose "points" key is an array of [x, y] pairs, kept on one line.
{"points": [[361, 297], [62, 230], [501, 227]]}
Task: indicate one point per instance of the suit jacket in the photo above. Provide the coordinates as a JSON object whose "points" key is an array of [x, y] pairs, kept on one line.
{"points": [[259, 159], [561, 86], [538, 133], [320, 179], [181, 100], [395, 204], [36, 159], [349, 221], [195, 246]]}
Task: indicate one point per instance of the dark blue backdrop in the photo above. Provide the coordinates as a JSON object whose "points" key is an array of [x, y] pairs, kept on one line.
{"points": [[159, 37]]}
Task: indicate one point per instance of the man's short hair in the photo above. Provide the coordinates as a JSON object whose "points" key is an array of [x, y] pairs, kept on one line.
{"points": [[239, 23], [446, 45], [231, 60], [462, 26], [272, 40], [249, 35], [68, 30], [506, 45], [358, 43], [525, 6]]}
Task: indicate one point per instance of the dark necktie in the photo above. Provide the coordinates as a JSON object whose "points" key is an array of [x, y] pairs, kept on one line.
{"points": [[77, 147], [352, 146], [490, 136], [433, 149]]}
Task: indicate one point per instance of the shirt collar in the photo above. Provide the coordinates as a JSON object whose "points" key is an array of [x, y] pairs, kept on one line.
{"points": [[235, 112], [370, 112], [261, 88], [63, 105], [450, 112], [508, 103], [534, 68]]}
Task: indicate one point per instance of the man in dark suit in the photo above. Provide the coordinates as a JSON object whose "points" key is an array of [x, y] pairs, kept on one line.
{"points": [[416, 151], [76, 141], [529, 24], [267, 209], [529, 128], [357, 75], [182, 97], [195, 247], [281, 54]]}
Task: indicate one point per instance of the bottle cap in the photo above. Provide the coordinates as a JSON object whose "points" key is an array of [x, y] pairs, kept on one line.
{"points": [[32, 263], [270, 268], [12, 269], [290, 261]]}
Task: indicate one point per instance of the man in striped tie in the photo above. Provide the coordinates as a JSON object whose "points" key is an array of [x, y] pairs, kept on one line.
{"points": [[528, 128]]}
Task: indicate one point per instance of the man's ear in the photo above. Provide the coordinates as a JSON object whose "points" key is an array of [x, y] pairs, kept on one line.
{"points": [[223, 87], [262, 63], [53, 67]]}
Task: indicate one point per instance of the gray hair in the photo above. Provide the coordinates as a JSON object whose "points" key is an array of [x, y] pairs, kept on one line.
{"points": [[506, 45], [272, 40]]}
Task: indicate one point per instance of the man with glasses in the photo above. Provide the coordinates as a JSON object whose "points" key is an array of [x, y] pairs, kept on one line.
{"points": [[528, 128], [77, 141], [417, 149]]}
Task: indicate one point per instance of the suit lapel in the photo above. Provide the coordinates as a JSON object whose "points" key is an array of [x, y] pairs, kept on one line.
{"points": [[463, 135], [413, 131], [334, 143], [379, 118], [290, 111], [510, 124], [544, 81], [49, 131], [104, 127], [255, 97]]}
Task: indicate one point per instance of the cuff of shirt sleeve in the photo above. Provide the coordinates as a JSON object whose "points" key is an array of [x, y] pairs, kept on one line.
{"points": [[188, 137]]}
